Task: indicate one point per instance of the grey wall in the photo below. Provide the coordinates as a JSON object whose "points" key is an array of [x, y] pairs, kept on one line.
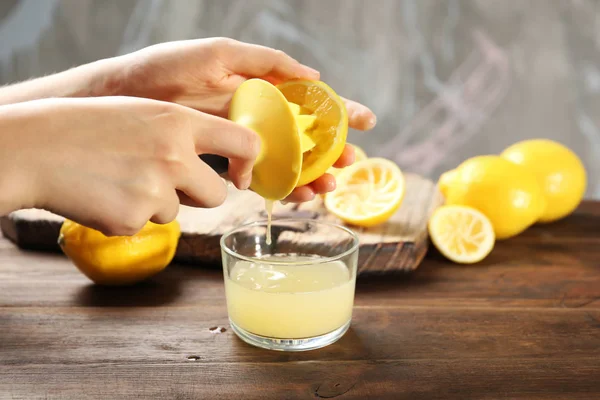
{"points": [[448, 79]]}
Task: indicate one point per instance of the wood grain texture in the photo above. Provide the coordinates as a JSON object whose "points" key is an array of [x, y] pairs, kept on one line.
{"points": [[524, 324], [482, 379], [396, 246]]}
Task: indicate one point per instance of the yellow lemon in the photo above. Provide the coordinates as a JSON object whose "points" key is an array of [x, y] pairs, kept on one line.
{"points": [[304, 122], [302, 126], [368, 192], [505, 192], [359, 155], [446, 180], [119, 260], [462, 234], [559, 170], [328, 130]]}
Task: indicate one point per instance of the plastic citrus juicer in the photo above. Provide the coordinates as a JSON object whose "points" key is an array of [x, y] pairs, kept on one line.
{"points": [[282, 128], [260, 106]]}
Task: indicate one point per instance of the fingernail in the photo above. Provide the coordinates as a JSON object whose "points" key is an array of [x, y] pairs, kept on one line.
{"points": [[245, 180], [372, 122], [312, 71], [331, 186]]}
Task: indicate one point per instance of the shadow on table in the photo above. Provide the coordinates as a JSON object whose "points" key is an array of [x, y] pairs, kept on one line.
{"points": [[349, 347], [163, 288]]}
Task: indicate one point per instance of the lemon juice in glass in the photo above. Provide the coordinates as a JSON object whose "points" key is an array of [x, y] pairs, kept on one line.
{"points": [[296, 293]]}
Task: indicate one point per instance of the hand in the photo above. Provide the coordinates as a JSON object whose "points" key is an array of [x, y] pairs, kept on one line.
{"points": [[203, 74], [114, 163]]}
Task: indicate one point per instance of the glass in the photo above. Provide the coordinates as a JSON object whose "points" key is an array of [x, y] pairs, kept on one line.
{"points": [[295, 293]]}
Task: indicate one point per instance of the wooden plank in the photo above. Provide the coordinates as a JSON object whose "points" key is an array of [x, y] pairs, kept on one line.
{"points": [[513, 276], [525, 324], [396, 246], [582, 225], [437, 285], [143, 335], [574, 378]]}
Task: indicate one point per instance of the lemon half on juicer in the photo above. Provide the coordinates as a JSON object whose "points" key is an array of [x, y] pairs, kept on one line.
{"points": [[302, 126]]}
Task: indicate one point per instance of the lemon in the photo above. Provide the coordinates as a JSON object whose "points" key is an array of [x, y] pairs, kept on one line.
{"points": [[328, 130], [368, 192], [359, 155], [462, 234], [302, 126], [119, 260], [445, 181], [304, 123], [559, 170], [505, 192]]}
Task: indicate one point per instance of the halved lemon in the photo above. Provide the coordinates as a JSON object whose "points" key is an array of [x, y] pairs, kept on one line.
{"points": [[302, 126], [328, 130], [359, 155], [461, 233], [368, 192]]}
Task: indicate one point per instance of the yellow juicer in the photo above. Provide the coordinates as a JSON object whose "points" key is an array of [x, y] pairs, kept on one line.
{"points": [[283, 128]]}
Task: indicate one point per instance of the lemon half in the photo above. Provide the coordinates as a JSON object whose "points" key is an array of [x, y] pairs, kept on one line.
{"points": [[302, 126], [329, 129], [462, 234], [368, 192]]}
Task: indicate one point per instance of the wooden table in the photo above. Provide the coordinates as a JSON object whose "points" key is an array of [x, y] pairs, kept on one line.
{"points": [[525, 324]]}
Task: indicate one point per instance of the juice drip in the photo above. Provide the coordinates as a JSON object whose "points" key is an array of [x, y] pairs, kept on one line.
{"points": [[269, 209]]}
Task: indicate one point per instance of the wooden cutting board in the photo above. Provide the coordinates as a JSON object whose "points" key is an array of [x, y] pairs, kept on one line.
{"points": [[396, 246]]}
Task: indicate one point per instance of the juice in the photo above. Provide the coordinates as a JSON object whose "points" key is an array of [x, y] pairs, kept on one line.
{"points": [[289, 301], [269, 209]]}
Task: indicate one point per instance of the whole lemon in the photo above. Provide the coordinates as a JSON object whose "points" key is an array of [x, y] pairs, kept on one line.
{"points": [[559, 170], [505, 192], [119, 260]]}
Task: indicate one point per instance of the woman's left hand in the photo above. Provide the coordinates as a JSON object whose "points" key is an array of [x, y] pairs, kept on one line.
{"points": [[203, 74]]}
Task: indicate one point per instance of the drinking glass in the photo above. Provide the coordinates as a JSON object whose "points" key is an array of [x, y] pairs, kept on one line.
{"points": [[294, 293]]}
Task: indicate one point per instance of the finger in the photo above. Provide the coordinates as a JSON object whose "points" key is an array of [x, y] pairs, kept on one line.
{"points": [[168, 212], [185, 200], [347, 158], [360, 117], [219, 136], [252, 60], [301, 194], [201, 186], [323, 184], [240, 173]]}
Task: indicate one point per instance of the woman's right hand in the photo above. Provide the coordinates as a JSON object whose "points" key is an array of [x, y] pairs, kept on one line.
{"points": [[114, 163]]}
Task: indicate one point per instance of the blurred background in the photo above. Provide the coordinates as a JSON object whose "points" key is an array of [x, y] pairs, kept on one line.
{"points": [[448, 79]]}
